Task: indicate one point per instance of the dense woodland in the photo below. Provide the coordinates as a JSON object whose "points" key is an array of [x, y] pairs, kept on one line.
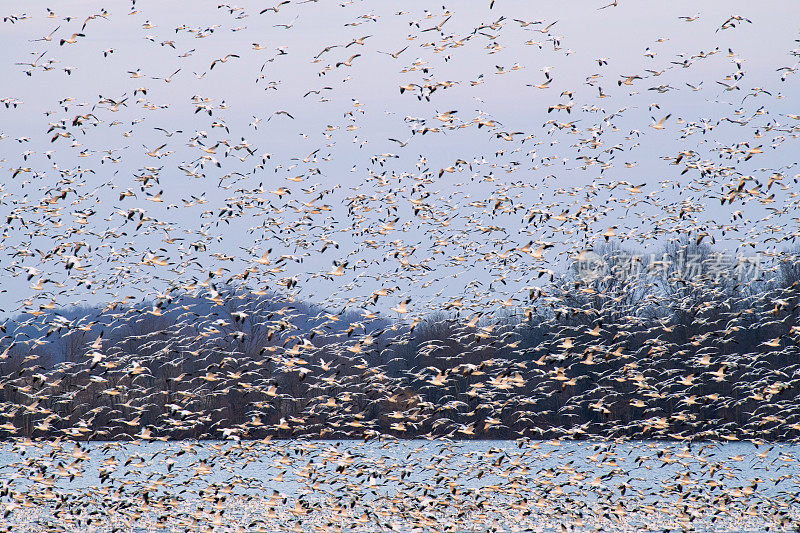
{"points": [[650, 351]]}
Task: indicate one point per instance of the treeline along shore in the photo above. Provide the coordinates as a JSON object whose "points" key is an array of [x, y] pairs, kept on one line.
{"points": [[621, 346]]}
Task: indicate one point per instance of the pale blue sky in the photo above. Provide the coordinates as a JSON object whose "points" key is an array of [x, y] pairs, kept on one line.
{"points": [[633, 38]]}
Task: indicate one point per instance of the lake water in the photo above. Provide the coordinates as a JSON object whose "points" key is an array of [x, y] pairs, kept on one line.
{"points": [[414, 485]]}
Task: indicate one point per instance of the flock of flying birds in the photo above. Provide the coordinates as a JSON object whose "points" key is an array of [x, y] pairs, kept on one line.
{"points": [[234, 232]]}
